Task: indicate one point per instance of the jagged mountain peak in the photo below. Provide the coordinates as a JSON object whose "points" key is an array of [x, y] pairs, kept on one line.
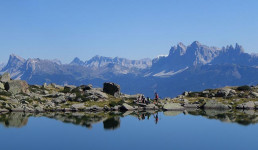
{"points": [[77, 61], [196, 44], [13, 57]]}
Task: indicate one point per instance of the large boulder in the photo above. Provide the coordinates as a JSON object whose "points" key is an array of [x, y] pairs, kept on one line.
{"points": [[17, 86], [126, 107], [95, 94], [5, 77], [173, 106], [78, 106], [225, 92], [112, 89], [247, 105], [212, 104]]}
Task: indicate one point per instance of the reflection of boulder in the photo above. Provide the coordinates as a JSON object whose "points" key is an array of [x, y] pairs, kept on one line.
{"points": [[172, 113], [16, 120], [111, 123], [214, 112]]}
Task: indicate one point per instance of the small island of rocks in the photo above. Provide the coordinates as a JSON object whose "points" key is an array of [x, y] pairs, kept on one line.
{"points": [[19, 96]]}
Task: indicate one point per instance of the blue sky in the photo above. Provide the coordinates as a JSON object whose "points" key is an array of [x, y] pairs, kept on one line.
{"points": [[132, 29]]}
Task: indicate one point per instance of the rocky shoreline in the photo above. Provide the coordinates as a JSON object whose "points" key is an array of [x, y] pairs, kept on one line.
{"points": [[18, 96]]}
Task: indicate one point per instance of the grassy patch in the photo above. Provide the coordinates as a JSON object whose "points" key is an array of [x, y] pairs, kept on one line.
{"points": [[2, 98], [4, 93]]}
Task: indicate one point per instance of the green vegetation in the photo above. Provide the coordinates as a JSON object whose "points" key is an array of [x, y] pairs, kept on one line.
{"points": [[244, 88], [4, 93], [116, 103], [2, 98]]}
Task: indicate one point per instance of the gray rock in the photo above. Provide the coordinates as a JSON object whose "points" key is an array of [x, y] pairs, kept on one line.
{"points": [[28, 109], [39, 109], [72, 96], [224, 92], [115, 108], [78, 106], [18, 109], [50, 104], [17, 86], [185, 93], [95, 94], [111, 89], [247, 105], [151, 107], [173, 106], [5, 77], [59, 100], [185, 112], [3, 110], [95, 108], [126, 107], [254, 94], [2, 86], [212, 104], [45, 85], [187, 105]]}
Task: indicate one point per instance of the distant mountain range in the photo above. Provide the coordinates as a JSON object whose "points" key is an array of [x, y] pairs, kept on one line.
{"points": [[193, 67]]}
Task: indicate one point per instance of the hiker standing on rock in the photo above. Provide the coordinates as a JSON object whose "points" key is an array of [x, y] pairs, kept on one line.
{"points": [[156, 97]]}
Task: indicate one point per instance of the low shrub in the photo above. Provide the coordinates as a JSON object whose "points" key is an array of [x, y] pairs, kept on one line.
{"points": [[244, 88]]}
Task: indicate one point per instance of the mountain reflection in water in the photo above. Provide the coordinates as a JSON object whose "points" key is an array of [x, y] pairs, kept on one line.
{"points": [[111, 120]]}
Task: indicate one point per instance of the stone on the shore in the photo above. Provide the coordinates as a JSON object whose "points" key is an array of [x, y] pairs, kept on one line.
{"points": [[112, 89], [5, 77], [77, 106], [212, 104], [151, 107], [247, 105], [188, 105], [173, 106], [17, 86], [185, 112], [126, 107]]}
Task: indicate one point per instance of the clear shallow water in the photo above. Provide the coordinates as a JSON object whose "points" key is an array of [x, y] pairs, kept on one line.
{"points": [[174, 130]]}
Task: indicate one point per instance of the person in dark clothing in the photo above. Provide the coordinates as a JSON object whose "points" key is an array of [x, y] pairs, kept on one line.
{"points": [[156, 97]]}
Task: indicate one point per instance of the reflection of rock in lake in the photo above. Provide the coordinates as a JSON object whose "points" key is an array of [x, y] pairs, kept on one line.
{"points": [[111, 123], [245, 117], [172, 113], [16, 120]]}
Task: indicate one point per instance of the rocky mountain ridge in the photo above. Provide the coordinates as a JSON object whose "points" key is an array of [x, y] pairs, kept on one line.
{"points": [[193, 67]]}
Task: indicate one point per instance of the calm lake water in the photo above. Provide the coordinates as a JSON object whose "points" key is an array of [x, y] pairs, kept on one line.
{"points": [[130, 130]]}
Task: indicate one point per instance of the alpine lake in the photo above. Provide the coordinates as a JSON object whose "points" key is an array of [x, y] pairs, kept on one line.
{"points": [[150, 130]]}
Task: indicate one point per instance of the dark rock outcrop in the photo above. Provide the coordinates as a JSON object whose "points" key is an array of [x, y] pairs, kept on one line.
{"points": [[112, 89]]}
